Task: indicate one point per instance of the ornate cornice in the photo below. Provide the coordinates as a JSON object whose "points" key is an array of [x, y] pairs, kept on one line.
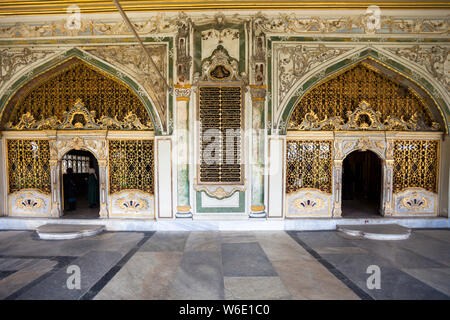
{"points": [[279, 23]]}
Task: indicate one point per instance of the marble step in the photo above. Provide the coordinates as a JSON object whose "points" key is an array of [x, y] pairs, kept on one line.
{"points": [[60, 231], [376, 231]]}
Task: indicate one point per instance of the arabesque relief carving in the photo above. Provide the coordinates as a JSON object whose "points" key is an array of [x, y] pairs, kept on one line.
{"points": [[294, 23], [363, 118], [294, 61], [13, 59], [279, 23], [79, 117], [131, 59], [435, 59]]}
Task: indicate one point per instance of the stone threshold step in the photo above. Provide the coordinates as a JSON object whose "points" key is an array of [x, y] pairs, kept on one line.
{"points": [[59, 231], [376, 231]]}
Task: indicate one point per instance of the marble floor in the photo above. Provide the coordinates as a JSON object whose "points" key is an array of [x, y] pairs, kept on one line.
{"points": [[213, 265]]}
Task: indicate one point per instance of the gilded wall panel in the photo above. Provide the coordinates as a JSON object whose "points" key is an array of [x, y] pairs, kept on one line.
{"points": [[131, 166], [28, 165]]}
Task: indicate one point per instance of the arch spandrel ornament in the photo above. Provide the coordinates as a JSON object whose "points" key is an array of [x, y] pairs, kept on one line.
{"points": [[422, 87], [140, 117]]}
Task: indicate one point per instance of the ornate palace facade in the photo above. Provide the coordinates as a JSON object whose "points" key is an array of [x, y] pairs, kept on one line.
{"points": [[299, 90]]}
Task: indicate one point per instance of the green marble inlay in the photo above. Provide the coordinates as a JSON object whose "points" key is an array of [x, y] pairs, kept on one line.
{"points": [[201, 209]]}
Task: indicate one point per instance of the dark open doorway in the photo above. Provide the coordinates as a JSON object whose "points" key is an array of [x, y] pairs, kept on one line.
{"points": [[361, 185], [80, 187]]}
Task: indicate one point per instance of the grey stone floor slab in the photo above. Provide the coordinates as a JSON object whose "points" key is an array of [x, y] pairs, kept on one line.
{"points": [[441, 235], [19, 279], [255, 288], [395, 284], [203, 241], [225, 265], [438, 278], [398, 255], [246, 260], [32, 246], [426, 246], [92, 266], [199, 276], [316, 239], [166, 241], [147, 275]]}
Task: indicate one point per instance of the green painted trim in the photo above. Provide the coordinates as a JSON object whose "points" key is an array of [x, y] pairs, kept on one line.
{"points": [[201, 209], [82, 41]]}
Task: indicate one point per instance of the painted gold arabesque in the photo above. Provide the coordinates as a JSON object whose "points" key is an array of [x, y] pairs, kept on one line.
{"points": [[309, 165], [28, 165], [361, 98], [131, 165], [79, 96], [416, 165]]}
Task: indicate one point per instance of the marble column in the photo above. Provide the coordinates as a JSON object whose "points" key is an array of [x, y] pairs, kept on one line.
{"points": [[3, 182], [103, 176], [337, 189], [55, 177], [257, 209], [183, 94], [388, 169]]}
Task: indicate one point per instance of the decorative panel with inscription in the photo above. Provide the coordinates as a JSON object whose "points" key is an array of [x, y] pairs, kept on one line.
{"points": [[220, 115]]}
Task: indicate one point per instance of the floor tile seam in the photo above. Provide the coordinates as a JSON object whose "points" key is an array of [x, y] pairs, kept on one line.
{"points": [[332, 269], [104, 280]]}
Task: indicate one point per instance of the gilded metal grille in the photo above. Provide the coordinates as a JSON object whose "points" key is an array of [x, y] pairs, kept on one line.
{"points": [[131, 165], [309, 165], [29, 165], [221, 121], [97, 90], [343, 93], [416, 164]]}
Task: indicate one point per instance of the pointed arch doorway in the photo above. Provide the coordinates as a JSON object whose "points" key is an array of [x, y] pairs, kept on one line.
{"points": [[80, 185], [361, 185]]}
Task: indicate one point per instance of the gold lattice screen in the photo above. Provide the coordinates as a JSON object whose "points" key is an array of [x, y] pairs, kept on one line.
{"points": [[219, 114], [29, 165], [343, 93], [309, 164], [131, 165], [416, 164], [58, 92]]}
